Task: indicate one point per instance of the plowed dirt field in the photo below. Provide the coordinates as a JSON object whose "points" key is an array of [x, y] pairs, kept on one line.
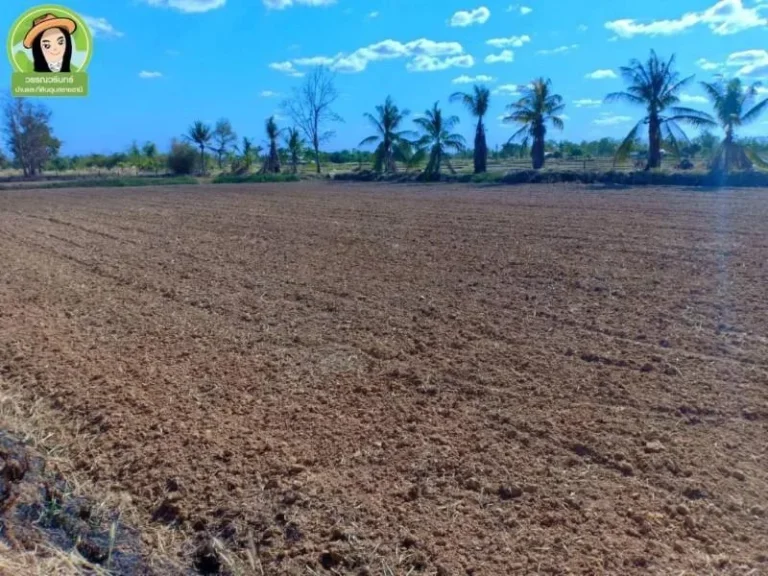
{"points": [[371, 379]]}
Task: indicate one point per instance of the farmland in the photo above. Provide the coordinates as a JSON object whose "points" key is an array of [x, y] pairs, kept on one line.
{"points": [[374, 379]]}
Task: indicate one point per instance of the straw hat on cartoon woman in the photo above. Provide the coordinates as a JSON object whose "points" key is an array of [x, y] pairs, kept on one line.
{"points": [[50, 39]]}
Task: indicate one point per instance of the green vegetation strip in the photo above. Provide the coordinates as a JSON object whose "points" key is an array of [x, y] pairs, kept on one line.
{"points": [[107, 183], [254, 178]]}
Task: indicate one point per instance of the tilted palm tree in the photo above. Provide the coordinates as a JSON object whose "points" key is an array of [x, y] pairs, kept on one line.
{"points": [[392, 143], [477, 104], [272, 161], [201, 134], [656, 86], [437, 139], [295, 144], [735, 106], [537, 107]]}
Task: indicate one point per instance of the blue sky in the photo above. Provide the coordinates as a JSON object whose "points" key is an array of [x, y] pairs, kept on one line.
{"points": [[158, 65]]}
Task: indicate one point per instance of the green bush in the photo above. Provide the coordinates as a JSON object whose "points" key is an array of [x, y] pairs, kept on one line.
{"points": [[254, 178], [182, 158]]}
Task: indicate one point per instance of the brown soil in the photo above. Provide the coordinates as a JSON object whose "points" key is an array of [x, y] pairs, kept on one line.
{"points": [[371, 379]]}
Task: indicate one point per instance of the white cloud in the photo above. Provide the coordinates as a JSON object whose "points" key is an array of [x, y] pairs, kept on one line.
{"points": [[424, 63], [508, 90], [188, 6], [692, 99], [424, 55], [286, 67], [607, 119], [373, 14], [705, 64], [468, 17], [101, 28], [283, 4], [558, 50], [749, 62], [464, 79], [514, 41], [149, 75], [583, 28], [173, 53], [269, 94], [762, 90], [525, 10], [601, 74], [503, 56], [723, 18], [564, 117], [587, 103]]}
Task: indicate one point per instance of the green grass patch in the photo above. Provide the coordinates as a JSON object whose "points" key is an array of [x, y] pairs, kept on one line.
{"points": [[254, 178], [126, 182]]}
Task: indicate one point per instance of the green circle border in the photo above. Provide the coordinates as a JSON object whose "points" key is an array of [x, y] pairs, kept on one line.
{"points": [[59, 9]]}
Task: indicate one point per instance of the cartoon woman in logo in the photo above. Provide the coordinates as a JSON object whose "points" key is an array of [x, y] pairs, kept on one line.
{"points": [[51, 42]]}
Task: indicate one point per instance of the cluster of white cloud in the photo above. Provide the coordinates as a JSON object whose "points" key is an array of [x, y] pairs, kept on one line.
{"points": [[503, 56], [723, 18], [188, 6], [603, 74], [464, 18], [423, 56], [524, 10], [750, 63], [508, 89], [558, 50], [609, 119], [101, 28], [198, 6], [587, 103], [149, 75], [514, 41], [464, 79], [283, 4]]}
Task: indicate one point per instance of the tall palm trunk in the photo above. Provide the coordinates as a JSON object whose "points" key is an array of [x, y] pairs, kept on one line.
{"points": [[272, 163], [537, 151], [654, 142], [202, 159], [481, 148]]}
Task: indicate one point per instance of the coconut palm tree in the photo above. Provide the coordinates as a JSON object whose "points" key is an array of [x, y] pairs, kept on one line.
{"points": [[735, 106], [656, 86], [272, 161], [295, 144], [537, 107], [437, 139], [201, 134], [477, 103], [392, 143]]}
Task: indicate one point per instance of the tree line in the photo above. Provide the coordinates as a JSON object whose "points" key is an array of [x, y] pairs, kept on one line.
{"points": [[654, 85]]}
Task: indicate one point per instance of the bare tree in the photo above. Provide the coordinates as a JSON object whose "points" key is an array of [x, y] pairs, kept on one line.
{"points": [[223, 138], [310, 108], [28, 135]]}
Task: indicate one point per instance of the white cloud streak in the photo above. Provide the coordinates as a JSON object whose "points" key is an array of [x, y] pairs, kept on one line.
{"points": [[101, 28], [513, 41], [464, 18], [723, 18], [188, 6], [423, 55], [604, 74], [503, 56]]}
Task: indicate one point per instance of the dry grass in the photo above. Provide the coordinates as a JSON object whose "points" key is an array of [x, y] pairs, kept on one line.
{"points": [[41, 429]]}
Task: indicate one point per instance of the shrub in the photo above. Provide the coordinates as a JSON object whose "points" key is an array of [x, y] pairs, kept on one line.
{"points": [[182, 158]]}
